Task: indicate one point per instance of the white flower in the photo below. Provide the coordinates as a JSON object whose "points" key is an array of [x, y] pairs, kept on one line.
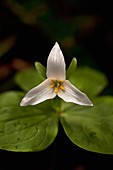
{"points": [[55, 84]]}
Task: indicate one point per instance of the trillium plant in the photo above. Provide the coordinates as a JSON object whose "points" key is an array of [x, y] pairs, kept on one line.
{"points": [[52, 96], [55, 84]]}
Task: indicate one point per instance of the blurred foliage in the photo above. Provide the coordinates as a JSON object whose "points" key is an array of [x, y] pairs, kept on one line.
{"points": [[42, 15], [6, 44], [35, 25]]}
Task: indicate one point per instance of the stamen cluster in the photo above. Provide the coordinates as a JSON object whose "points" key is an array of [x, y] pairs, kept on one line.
{"points": [[56, 85]]}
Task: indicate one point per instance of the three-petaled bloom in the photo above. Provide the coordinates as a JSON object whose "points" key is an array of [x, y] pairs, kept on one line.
{"points": [[55, 84]]}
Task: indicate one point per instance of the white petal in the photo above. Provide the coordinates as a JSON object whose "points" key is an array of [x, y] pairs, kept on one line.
{"points": [[56, 64], [72, 94], [38, 94]]}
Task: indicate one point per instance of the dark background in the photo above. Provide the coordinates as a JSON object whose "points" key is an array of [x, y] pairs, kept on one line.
{"points": [[28, 31]]}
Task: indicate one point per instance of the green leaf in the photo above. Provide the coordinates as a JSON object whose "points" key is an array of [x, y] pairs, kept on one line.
{"points": [[89, 80], [28, 79], [10, 98], [41, 70], [90, 128], [71, 68], [25, 129]]}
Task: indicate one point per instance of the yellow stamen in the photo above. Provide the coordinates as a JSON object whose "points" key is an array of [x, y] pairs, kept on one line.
{"points": [[62, 87], [56, 90], [52, 81], [52, 85], [61, 81]]}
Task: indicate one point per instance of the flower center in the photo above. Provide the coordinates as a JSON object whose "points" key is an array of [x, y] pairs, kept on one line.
{"points": [[57, 85]]}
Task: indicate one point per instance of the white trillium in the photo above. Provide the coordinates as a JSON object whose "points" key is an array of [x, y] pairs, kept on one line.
{"points": [[55, 84]]}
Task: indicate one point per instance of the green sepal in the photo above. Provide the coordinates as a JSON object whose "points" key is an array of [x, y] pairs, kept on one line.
{"points": [[41, 70], [71, 69]]}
